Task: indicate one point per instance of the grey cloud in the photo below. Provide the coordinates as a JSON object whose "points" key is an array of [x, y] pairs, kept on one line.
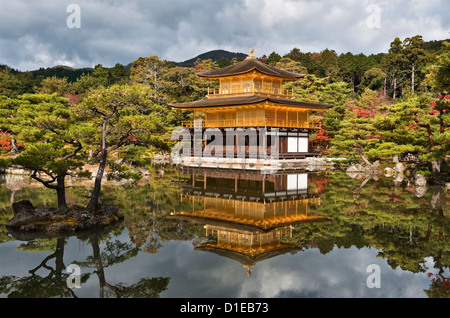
{"points": [[34, 34]]}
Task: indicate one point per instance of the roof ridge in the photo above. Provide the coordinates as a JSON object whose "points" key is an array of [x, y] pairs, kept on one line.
{"points": [[249, 65]]}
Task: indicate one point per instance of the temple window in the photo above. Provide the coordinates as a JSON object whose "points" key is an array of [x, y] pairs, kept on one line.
{"points": [[225, 88]]}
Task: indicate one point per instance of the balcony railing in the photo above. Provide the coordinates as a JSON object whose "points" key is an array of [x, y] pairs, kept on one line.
{"points": [[255, 123], [251, 89]]}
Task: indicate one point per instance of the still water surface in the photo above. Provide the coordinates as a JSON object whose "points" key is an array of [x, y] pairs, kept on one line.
{"points": [[214, 234]]}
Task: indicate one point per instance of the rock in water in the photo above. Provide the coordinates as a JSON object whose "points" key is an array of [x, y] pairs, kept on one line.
{"points": [[22, 206], [388, 172], [420, 180], [355, 168], [25, 212], [112, 211], [51, 221], [399, 167]]}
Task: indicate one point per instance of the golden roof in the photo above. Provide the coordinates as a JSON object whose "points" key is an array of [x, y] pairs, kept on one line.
{"points": [[248, 65]]}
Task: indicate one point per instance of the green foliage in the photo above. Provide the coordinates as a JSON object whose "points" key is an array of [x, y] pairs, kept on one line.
{"points": [[5, 163], [273, 58], [356, 129], [45, 126], [421, 123], [119, 172], [304, 58], [54, 84], [8, 107], [49, 136], [415, 57], [224, 62], [129, 113], [332, 120], [290, 65], [373, 79], [318, 90], [405, 64], [382, 130], [59, 71], [13, 85], [139, 156], [440, 71], [406, 229], [327, 65]]}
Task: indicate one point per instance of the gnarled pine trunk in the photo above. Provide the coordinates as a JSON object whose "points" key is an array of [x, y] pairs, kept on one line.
{"points": [[93, 202], [61, 192], [59, 187]]}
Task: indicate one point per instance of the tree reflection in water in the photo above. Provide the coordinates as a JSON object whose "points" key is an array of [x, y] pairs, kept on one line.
{"points": [[404, 227], [54, 284]]}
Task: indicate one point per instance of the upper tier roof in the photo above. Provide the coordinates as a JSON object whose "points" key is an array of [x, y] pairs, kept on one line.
{"points": [[248, 65]]}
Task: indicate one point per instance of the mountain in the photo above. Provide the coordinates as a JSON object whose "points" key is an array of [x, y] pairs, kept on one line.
{"points": [[214, 55], [71, 73], [434, 46], [128, 67]]}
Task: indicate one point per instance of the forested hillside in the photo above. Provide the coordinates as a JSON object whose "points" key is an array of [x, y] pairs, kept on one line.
{"points": [[385, 104], [222, 57]]}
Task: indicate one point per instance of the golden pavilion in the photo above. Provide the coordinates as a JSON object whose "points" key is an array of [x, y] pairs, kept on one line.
{"points": [[250, 96], [247, 216]]}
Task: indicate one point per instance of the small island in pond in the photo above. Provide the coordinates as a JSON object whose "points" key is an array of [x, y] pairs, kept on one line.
{"points": [[52, 222]]}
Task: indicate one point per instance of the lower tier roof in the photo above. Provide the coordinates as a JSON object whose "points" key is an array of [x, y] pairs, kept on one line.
{"points": [[247, 100]]}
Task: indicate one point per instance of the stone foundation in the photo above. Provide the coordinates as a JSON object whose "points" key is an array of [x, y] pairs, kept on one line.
{"points": [[263, 165]]}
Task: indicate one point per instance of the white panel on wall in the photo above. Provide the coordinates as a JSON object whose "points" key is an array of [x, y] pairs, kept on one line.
{"points": [[292, 144], [292, 182], [302, 144], [302, 181]]}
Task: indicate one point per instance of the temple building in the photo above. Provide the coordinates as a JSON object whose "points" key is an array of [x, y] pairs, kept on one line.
{"points": [[247, 216], [250, 101]]}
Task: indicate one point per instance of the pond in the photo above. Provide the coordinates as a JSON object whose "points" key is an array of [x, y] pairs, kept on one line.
{"points": [[224, 234]]}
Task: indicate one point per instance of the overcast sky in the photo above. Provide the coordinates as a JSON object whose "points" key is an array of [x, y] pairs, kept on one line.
{"points": [[46, 33]]}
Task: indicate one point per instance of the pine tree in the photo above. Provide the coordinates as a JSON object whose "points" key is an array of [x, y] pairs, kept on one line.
{"points": [[50, 135], [415, 56], [118, 116], [394, 65]]}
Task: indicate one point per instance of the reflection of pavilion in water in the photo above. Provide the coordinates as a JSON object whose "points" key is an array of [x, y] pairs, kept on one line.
{"points": [[248, 216]]}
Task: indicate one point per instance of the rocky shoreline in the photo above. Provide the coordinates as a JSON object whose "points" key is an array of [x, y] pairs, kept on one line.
{"points": [[51, 222]]}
